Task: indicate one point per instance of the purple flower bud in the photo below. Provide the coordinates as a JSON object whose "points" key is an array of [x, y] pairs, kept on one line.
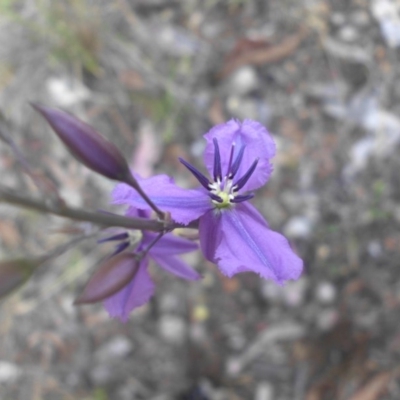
{"points": [[13, 273], [92, 150], [86, 144], [112, 275]]}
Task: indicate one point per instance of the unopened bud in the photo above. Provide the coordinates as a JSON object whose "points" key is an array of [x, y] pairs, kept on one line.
{"points": [[112, 276], [86, 144]]}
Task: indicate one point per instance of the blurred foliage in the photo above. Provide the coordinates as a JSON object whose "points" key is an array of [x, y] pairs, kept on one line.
{"points": [[98, 394], [377, 211], [71, 28], [15, 272], [163, 109]]}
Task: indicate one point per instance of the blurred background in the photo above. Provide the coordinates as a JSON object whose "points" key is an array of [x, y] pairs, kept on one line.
{"points": [[153, 76]]}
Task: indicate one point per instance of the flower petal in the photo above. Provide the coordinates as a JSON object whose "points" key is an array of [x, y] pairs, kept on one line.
{"points": [[136, 213], [169, 244], [249, 245], [259, 144], [177, 267], [135, 294], [210, 234], [183, 204]]}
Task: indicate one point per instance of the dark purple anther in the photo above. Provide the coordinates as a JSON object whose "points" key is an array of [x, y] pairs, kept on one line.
{"points": [[242, 181], [215, 197], [236, 163], [120, 248], [217, 162], [241, 198], [230, 159], [198, 175], [119, 236]]}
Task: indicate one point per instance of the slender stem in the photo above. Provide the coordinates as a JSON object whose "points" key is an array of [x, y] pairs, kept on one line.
{"points": [[41, 182], [142, 254], [62, 248], [10, 196], [131, 181], [5, 137]]}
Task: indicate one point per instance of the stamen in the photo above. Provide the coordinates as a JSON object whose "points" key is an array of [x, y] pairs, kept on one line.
{"points": [[215, 197], [120, 248], [198, 175], [217, 162], [241, 198], [237, 162], [119, 236], [231, 158], [243, 180]]}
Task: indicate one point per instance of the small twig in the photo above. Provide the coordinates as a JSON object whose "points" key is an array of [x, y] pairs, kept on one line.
{"points": [[6, 138], [10, 196], [62, 248], [41, 182]]}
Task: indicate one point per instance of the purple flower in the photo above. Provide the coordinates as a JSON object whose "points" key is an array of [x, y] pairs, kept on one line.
{"points": [[140, 288], [233, 234]]}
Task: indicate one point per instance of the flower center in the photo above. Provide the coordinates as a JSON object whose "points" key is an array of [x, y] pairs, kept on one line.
{"points": [[126, 239], [224, 190], [222, 193]]}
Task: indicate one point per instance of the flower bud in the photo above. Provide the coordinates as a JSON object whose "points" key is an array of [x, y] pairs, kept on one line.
{"points": [[112, 275], [86, 144]]}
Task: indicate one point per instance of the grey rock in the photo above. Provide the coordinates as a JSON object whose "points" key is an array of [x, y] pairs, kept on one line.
{"points": [[264, 391], [243, 81], [298, 227], [9, 372], [172, 329], [325, 292], [116, 348]]}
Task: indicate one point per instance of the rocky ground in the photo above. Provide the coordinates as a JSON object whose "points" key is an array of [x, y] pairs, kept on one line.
{"points": [[153, 76]]}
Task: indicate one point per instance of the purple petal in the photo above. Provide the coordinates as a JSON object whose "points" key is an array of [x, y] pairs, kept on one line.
{"points": [[249, 245], [258, 142], [136, 213], [135, 294], [177, 267], [183, 204], [210, 234], [169, 245]]}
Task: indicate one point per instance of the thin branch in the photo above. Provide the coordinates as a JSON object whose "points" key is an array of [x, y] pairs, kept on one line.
{"points": [[6, 138], [62, 248], [41, 182], [10, 196]]}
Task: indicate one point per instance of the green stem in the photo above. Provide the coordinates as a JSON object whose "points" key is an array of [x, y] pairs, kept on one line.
{"points": [[10, 196]]}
